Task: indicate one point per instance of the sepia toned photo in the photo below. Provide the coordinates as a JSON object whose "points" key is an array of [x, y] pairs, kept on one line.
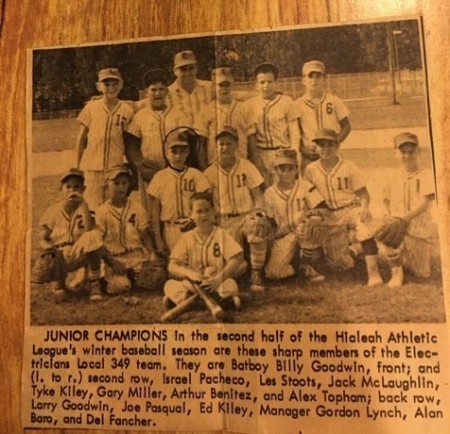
{"points": [[264, 177]]}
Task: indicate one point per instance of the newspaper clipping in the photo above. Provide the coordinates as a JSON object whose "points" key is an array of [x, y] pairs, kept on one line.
{"points": [[235, 232]]}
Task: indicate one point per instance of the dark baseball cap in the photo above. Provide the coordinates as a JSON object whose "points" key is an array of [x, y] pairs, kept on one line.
{"points": [[285, 156], [117, 170], [228, 130], [72, 172], [325, 134], [266, 67], [156, 76]]}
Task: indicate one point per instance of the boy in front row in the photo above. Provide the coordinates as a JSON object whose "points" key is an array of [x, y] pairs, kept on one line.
{"points": [[409, 195], [342, 185], [124, 225], [288, 202], [66, 234], [206, 255]]}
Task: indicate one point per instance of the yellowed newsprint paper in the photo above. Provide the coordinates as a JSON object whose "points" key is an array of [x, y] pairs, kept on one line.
{"points": [[236, 232]]}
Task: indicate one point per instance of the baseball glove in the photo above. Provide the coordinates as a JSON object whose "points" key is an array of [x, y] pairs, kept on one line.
{"points": [[148, 169], [257, 226], [313, 228], [153, 275], [49, 267], [393, 232]]}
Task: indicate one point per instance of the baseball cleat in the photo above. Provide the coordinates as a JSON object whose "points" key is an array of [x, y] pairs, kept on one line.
{"points": [[257, 283], [95, 291], [397, 277], [312, 275]]}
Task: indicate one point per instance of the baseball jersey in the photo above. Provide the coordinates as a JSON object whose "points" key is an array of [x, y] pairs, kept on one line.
{"points": [[174, 190], [65, 228], [198, 254], [314, 115], [190, 104], [213, 117], [231, 188], [120, 226], [270, 120], [406, 191], [105, 145], [289, 207], [337, 186], [152, 126]]}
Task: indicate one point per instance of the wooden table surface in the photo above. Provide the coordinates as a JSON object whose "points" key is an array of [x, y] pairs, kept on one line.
{"points": [[41, 23]]}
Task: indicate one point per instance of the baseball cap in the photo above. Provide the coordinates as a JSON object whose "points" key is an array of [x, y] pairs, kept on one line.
{"points": [[156, 76], [285, 156], [403, 138], [115, 171], [325, 134], [227, 129], [266, 67], [221, 75], [184, 58], [108, 74], [72, 172], [313, 66], [179, 137]]}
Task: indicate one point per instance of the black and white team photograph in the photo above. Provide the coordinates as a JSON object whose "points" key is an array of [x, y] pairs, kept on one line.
{"points": [[275, 176]]}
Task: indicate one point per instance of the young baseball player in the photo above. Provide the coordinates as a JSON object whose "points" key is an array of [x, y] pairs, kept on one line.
{"points": [[170, 193], [224, 110], [317, 109], [100, 144], [288, 202], [408, 195], [268, 112], [151, 124], [65, 231], [124, 226], [342, 185], [236, 184], [189, 94], [207, 255]]}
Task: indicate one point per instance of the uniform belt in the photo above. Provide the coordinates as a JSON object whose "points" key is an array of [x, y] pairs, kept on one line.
{"points": [[230, 215], [276, 148], [177, 222]]}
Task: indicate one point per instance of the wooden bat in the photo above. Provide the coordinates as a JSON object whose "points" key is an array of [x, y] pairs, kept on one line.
{"points": [[179, 309], [216, 311]]}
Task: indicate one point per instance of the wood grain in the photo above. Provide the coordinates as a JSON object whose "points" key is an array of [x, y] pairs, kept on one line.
{"points": [[31, 23]]}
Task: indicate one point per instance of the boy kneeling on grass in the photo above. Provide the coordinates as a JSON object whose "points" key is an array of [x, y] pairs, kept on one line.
{"points": [[408, 196], [124, 226], [206, 255], [68, 242]]}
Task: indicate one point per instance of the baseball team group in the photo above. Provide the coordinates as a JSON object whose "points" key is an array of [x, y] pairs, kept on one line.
{"points": [[219, 189]]}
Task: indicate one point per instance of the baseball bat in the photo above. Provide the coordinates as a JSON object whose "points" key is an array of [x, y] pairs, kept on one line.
{"points": [[179, 309], [216, 311]]}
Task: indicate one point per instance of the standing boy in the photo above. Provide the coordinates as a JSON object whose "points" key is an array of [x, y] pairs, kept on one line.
{"points": [[224, 110], [342, 185], [288, 203], [318, 109], [236, 184], [408, 195], [207, 255], [124, 226], [65, 231], [268, 113], [170, 192], [149, 127], [100, 142]]}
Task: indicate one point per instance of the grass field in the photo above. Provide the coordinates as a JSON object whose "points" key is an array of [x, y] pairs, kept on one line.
{"points": [[343, 298]]}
